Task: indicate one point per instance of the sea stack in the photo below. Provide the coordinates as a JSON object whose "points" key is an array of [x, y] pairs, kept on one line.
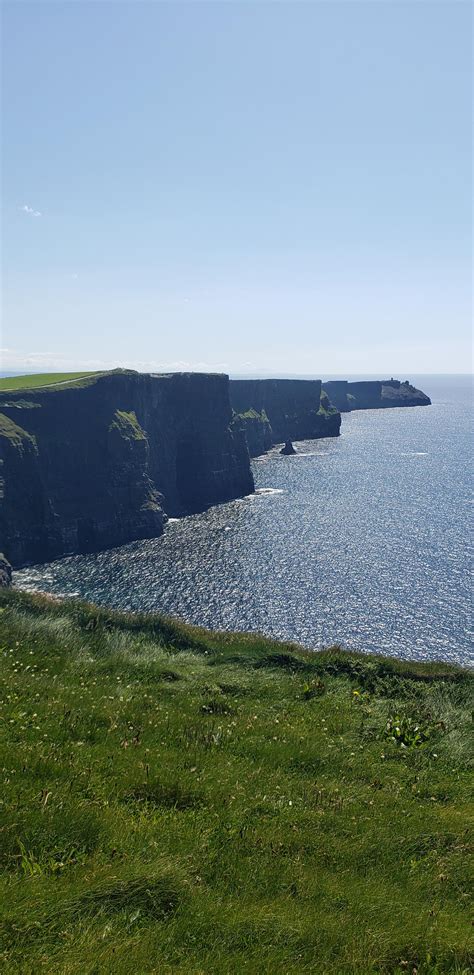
{"points": [[288, 449]]}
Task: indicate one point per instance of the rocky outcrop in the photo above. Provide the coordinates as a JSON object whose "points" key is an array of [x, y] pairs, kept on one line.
{"points": [[374, 395], [288, 450], [98, 463], [258, 432], [395, 393], [5, 572], [297, 409]]}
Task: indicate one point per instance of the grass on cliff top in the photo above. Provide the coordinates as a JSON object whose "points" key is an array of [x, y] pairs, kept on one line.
{"points": [[179, 801], [34, 381]]}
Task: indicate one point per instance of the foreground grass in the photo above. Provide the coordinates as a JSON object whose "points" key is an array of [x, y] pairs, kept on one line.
{"points": [[176, 801], [33, 381]]}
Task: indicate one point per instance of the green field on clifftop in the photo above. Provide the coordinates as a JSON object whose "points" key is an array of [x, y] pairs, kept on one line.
{"points": [[180, 801], [41, 379]]}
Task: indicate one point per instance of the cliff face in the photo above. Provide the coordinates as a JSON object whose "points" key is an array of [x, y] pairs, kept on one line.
{"points": [[395, 393], [374, 395], [257, 429], [27, 523], [95, 464], [337, 391], [297, 409], [198, 456]]}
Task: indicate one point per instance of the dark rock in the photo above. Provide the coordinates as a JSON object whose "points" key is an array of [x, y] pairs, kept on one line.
{"points": [[395, 393], [337, 391], [98, 463], [258, 432], [288, 449], [5, 572]]}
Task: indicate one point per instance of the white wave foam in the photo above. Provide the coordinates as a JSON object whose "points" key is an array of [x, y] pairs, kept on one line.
{"points": [[269, 491]]}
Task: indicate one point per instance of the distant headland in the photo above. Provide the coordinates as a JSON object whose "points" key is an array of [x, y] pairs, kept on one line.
{"points": [[375, 395], [92, 461]]}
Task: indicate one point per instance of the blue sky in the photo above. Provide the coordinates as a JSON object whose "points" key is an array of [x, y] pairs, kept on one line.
{"points": [[237, 186]]}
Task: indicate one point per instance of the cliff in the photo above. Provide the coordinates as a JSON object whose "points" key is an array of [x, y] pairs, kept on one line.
{"points": [[374, 395], [257, 429], [103, 461], [297, 409], [337, 391]]}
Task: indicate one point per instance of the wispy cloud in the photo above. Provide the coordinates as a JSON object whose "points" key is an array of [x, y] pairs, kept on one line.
{"points": [[22, 361], [30, 211]]}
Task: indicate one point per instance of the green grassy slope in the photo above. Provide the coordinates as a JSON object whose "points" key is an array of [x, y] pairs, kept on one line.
{"points": [[41, 379], [177, 801]]}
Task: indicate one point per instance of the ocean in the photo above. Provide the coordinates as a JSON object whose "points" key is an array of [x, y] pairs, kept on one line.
{"points": [[363, 540]]}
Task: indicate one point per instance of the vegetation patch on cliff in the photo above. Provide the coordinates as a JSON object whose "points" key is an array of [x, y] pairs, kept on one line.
{"points": [[127, 425], [325, 406], [254, 415], [181, 801], [13, 433]]}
